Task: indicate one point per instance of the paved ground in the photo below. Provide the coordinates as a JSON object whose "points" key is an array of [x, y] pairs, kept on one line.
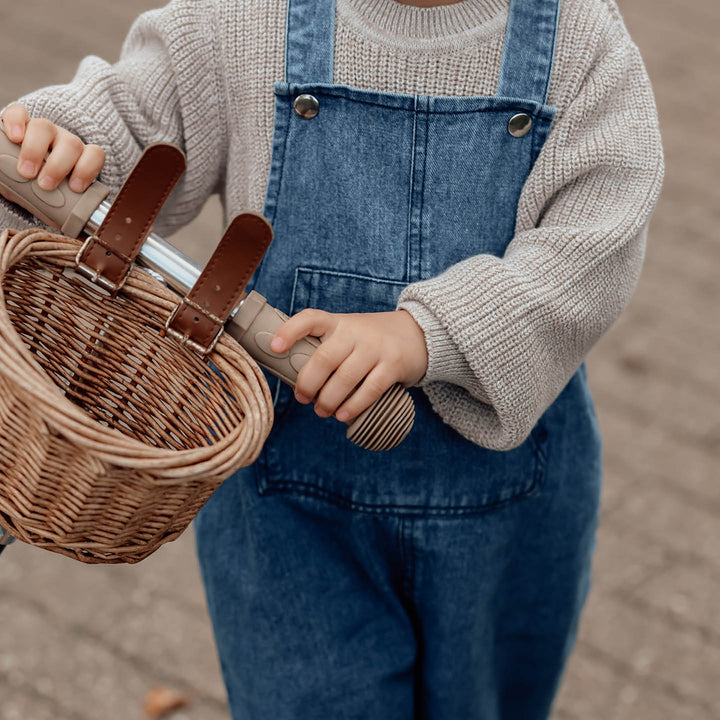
{"points": [[78, 643]]}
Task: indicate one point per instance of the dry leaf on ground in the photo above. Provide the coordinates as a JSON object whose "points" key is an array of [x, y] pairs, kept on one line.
{"points": [[161, 701]]}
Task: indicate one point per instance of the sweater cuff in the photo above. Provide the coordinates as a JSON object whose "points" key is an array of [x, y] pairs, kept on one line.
{"points": [[445, 362], [13, 216]]}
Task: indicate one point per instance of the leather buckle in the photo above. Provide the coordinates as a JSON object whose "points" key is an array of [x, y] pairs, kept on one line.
{"points": [[185, 340], [198, 321], [107, 256], [94, 275]]}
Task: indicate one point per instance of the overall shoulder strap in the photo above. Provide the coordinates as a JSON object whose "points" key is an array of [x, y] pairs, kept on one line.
{"points": [[529, 49], [310, 41]]}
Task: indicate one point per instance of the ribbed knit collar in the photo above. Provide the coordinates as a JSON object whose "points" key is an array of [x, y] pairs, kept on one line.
{"points": [[456, 25]]}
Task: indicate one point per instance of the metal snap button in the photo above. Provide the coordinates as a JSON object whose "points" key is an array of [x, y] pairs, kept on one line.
{"points": [[306, 106], [520, 125]]}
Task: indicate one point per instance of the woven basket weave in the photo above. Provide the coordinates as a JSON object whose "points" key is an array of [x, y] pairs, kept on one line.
{"points": [[111, 436]]}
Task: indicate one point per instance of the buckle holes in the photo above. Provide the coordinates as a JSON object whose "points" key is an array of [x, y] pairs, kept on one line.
{"points": [[108, 253], [128, 220], [217, 288], [196, 319]]}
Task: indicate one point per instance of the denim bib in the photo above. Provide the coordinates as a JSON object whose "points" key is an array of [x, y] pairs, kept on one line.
{"points": [[369, 191]]}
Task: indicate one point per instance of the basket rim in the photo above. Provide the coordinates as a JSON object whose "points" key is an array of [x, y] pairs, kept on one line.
{"points": [[71, 421]]}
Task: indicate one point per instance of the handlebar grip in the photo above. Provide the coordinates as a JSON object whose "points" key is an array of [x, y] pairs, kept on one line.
{"points": [[382, 426], [60, 208], [254, 327]]}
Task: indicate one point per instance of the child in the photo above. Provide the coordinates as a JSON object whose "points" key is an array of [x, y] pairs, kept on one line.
{"points": [[460, 192]]}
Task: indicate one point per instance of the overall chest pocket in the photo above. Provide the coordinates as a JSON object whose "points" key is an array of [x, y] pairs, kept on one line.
{"points": [[435, 470]]}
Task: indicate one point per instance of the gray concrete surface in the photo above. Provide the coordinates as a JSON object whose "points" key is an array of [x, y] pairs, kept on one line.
{"points": [[78, 643]]}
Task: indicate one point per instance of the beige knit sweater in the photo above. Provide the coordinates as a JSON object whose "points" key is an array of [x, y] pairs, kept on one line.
{"points": [[504, 335]]}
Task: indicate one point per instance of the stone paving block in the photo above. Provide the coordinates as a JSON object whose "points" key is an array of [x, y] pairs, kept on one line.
{"points": [[22, 703], [675, 353], [666, 302], [16, 703], [623, 561], [592, 690], [692, 415], [688, 265], [101, 594], [172, 573], [589, 689], [656, 514], [651, 454], [77, 674], [683, 284], [689, 594], [560, 714], [694, 223], [174, 641], [92, 595], [677, 660], [153, 611], [686, 200]]}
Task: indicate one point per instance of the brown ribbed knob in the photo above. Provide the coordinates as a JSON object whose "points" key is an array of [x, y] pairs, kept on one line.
{"points": [[385, 424]]}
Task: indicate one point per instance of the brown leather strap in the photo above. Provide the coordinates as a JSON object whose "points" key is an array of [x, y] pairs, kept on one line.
{"points": [[201, 316], [107, 256]]}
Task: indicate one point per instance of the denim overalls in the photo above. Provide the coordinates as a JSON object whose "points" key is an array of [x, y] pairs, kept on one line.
{"points": [[438, 580]]}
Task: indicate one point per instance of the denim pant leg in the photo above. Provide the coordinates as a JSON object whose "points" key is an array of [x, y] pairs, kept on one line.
{"points": [[321, 611], [497, 598], [305, 603]]}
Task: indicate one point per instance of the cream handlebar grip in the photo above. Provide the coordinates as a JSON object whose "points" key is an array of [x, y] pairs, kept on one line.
{"points": [[254, 326], [61, 208], [382, 426]]}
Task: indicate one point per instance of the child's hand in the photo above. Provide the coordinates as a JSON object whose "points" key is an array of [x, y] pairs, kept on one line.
{"points": [[383, 348], [67, 151]]}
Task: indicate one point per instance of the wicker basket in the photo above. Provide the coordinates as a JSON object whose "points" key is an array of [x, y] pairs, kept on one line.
{"points": [[111, 436]]}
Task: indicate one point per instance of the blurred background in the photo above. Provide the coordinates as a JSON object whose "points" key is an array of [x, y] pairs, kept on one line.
{"points": [[78, 643]]}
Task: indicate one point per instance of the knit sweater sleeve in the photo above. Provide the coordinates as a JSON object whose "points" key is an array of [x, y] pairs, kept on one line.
{"points": [[150, 95], [505, 335]]}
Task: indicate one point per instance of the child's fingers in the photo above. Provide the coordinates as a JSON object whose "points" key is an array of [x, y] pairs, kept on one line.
{"points": [[307, 322], [39, 137], [87, 168], [66, 151], [342, 382], [324, 361], [379, 379], [15, 118]]}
